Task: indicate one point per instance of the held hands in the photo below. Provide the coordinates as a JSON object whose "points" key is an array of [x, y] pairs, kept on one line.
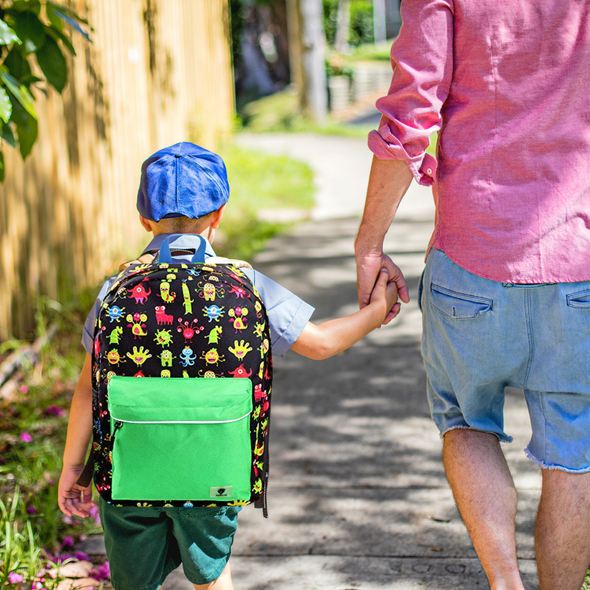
{"points": [[71, 497], [385, 294], [368, 275]]}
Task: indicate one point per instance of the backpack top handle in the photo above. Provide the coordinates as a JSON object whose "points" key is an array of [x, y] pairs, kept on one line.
{"points": [[166, 256]]}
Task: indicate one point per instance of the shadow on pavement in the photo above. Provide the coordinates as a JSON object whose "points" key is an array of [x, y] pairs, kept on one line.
{"points": [[358, 496]]}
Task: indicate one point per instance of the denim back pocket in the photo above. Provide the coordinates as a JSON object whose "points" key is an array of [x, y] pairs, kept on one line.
{"points": [[580, 299], [458, 306]]}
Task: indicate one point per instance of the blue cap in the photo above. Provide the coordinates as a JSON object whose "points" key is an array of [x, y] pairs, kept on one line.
{"points": [[182, 180]]}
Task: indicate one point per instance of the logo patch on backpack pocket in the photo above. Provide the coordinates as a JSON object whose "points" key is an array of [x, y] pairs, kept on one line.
{"points": [[221, 492]]}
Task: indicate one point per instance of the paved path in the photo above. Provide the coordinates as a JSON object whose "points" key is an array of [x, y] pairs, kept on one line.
{"points": [[358, 497]]}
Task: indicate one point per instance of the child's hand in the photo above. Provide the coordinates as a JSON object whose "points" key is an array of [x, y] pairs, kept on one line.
{"points": [[71, 497], [385, 294]]}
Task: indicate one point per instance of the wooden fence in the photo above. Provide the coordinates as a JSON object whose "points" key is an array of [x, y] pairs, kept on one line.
{"points": [[157, 72]]}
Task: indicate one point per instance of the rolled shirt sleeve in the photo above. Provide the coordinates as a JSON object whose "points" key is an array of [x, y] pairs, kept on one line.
{"points": [[422, 61]]}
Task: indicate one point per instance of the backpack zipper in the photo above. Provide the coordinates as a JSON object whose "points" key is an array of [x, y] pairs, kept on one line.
{"points": [[118, 424]]}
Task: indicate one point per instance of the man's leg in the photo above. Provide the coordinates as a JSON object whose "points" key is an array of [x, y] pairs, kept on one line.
{"points": [[224, 582], [562, 534], [486, 497]]}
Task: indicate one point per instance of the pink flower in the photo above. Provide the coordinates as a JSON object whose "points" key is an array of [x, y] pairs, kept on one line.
{"points": [[31, 509], [15, 578], [102, 573], [81, 556], [55, 410], [23, 389], [25, 436], [67, 542]]}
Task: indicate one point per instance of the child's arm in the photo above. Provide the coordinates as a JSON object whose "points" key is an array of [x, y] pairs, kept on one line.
{"points": [[72, 498], [325, 340]]}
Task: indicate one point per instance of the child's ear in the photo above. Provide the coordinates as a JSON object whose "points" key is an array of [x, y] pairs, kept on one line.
{"points": [[218, 216], [147, 225]]}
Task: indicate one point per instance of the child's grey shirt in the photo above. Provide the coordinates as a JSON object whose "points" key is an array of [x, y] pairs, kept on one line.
{"points": [[287, 313]]}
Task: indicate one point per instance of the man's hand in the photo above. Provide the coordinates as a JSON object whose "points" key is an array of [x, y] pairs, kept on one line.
{"points": [[388, 182], [368, 269], [71, 497]]}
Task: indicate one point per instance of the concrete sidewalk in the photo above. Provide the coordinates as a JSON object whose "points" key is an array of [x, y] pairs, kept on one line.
{"points": [[358, 498]]}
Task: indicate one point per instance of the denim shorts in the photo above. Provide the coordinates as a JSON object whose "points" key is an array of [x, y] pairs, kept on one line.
{"points": [[480, 336], [145, 544]]}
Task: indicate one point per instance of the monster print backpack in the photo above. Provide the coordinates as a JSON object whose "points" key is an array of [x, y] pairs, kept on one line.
{"points": [[182, 374]]}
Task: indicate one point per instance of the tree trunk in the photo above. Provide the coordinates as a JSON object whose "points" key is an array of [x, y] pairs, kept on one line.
{"points": [[379, 23], [343, 26], [308, 48]]}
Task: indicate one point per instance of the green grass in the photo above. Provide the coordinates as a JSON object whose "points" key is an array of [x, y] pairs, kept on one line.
{"points": [[259, 181], [278, 113], [370, 52]]}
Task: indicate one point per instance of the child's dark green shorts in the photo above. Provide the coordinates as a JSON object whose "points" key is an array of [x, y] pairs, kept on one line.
{"points": [[145, 544]]}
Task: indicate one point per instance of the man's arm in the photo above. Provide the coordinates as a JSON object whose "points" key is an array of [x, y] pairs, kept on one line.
{"points": [[73, 498], [325, 340], [388, 182]]}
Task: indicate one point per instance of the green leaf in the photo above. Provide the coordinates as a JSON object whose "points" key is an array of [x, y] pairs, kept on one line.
{"points": [[5, 106], [53, 64], [24, 5], [2, 168], [54, 19], [18, 66], [7, 35], [8, 136], [20, 92], [30, 31], [68, 11], [26, 128], [27, 136], [57, 36], [30, 79]]}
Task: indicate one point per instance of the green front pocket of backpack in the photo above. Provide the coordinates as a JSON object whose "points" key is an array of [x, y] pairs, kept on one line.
{"points": [[180, 439]]}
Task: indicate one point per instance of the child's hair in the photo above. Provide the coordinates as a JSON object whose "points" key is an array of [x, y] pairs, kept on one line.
{"points": [[183, 225]]}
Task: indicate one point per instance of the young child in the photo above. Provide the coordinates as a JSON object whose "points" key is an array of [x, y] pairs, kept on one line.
{"points": [[184, 191]]}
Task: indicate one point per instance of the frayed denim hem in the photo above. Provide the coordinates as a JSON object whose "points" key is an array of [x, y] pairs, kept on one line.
{"points": [[544, 465], [507, 439]]}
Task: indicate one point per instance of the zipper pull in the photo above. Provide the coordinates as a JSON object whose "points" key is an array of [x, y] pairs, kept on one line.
{"points": [[117, 426]]}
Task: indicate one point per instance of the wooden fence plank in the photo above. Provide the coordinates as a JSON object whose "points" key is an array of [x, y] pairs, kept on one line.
{"points": [[157, 72]]}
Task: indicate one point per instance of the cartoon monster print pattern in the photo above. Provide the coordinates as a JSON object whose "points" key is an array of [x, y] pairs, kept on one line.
{"points": [[180, 320]]}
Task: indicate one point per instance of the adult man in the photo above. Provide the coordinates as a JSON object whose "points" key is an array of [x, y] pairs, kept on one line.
{"points": [[505, 294]]}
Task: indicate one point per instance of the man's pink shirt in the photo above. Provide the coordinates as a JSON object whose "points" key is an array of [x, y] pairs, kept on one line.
{"points": [[507, 86]]}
